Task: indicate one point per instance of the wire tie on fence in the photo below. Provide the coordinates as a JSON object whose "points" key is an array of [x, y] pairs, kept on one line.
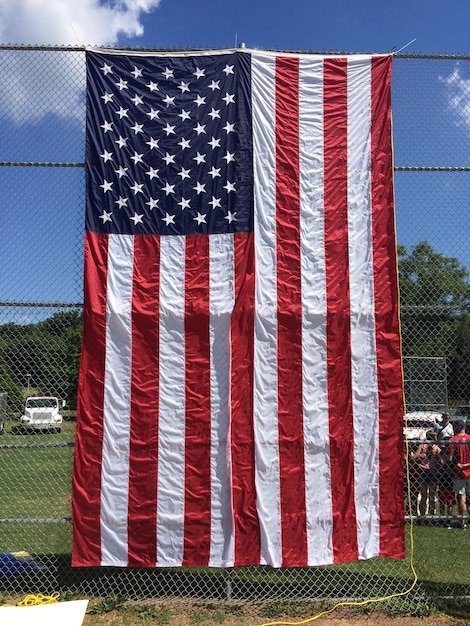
{"points": [[405, 46]]}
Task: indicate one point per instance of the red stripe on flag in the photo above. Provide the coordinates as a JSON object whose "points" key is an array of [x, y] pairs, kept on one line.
{"points": [[86, 486], [143, 455], [197, 503], [247, 538], [345, 546], [389, 369], [289, 316]]}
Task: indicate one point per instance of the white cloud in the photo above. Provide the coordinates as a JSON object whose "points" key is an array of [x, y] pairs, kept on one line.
{"points": [[71, 22], [37, 83], [458, 96]]}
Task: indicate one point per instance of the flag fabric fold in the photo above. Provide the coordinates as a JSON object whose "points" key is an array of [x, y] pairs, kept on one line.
{"points": [[240, 392]]}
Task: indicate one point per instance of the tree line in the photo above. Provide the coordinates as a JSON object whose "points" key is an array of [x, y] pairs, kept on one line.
{"points": [[44, 356], [435, 312]]}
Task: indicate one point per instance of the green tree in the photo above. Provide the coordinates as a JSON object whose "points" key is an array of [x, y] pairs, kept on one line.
{"points": [[73, 349], [429, 279], [60, 323], [15, 397], [460, 363], [434, 303], [62, 333], [48, 351]]}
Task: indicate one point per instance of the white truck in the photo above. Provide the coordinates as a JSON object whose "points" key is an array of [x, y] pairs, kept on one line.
{"points": [[42, 413]]}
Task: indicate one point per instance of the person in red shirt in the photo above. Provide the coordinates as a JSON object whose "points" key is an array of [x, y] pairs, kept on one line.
{"points": [[427, 464], [460, 455]]}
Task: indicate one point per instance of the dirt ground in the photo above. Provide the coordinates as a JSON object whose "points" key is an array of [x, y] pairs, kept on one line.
{"points": [[116, 620], [330, 621], [251, 617]]}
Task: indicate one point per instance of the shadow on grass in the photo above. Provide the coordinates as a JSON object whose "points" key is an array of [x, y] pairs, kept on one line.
{"points": [[256, 584], [249, 584], [21, 430]]}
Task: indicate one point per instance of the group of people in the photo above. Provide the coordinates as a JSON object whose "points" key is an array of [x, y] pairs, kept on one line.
{"points": [[440, 469]]}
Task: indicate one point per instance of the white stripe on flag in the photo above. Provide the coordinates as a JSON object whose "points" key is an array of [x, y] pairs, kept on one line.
{"points": [[171, 450], [314, 380], [117, 396], [265, 340], [363, 348], [221, 276]]}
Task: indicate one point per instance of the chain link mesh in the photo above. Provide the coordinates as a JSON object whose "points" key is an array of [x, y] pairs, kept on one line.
{"points": [[42, 115]]}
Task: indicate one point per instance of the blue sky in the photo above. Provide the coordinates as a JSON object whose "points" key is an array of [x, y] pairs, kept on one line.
{"points": [[330, 25], [51, 127]]}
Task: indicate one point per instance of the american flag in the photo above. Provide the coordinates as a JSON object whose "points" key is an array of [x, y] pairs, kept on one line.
{"points": [[240, 393]]}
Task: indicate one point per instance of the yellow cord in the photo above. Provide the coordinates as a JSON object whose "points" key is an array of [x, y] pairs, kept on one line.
{"points": [[372, 600], [35, 599]]}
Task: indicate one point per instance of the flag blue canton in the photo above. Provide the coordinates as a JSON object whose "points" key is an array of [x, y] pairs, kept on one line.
{"points": [[169, 144]]}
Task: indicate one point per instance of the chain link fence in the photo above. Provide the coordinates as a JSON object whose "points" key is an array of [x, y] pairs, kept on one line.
{"points": [[425, 383], [42, 118]]}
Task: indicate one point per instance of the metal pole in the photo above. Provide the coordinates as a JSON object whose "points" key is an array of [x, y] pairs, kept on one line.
{"points": [[228, 583]]}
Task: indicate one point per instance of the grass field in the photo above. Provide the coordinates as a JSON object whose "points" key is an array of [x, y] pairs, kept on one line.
{"points": [[36, 484], [35, 506]]}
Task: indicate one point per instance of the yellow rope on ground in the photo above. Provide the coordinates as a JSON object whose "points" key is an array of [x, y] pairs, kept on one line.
{"points": [[410, 510], [38, 598], [372, 600]]}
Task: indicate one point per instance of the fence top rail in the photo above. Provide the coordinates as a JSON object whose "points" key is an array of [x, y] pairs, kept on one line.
{"points": [[83, 48]]}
